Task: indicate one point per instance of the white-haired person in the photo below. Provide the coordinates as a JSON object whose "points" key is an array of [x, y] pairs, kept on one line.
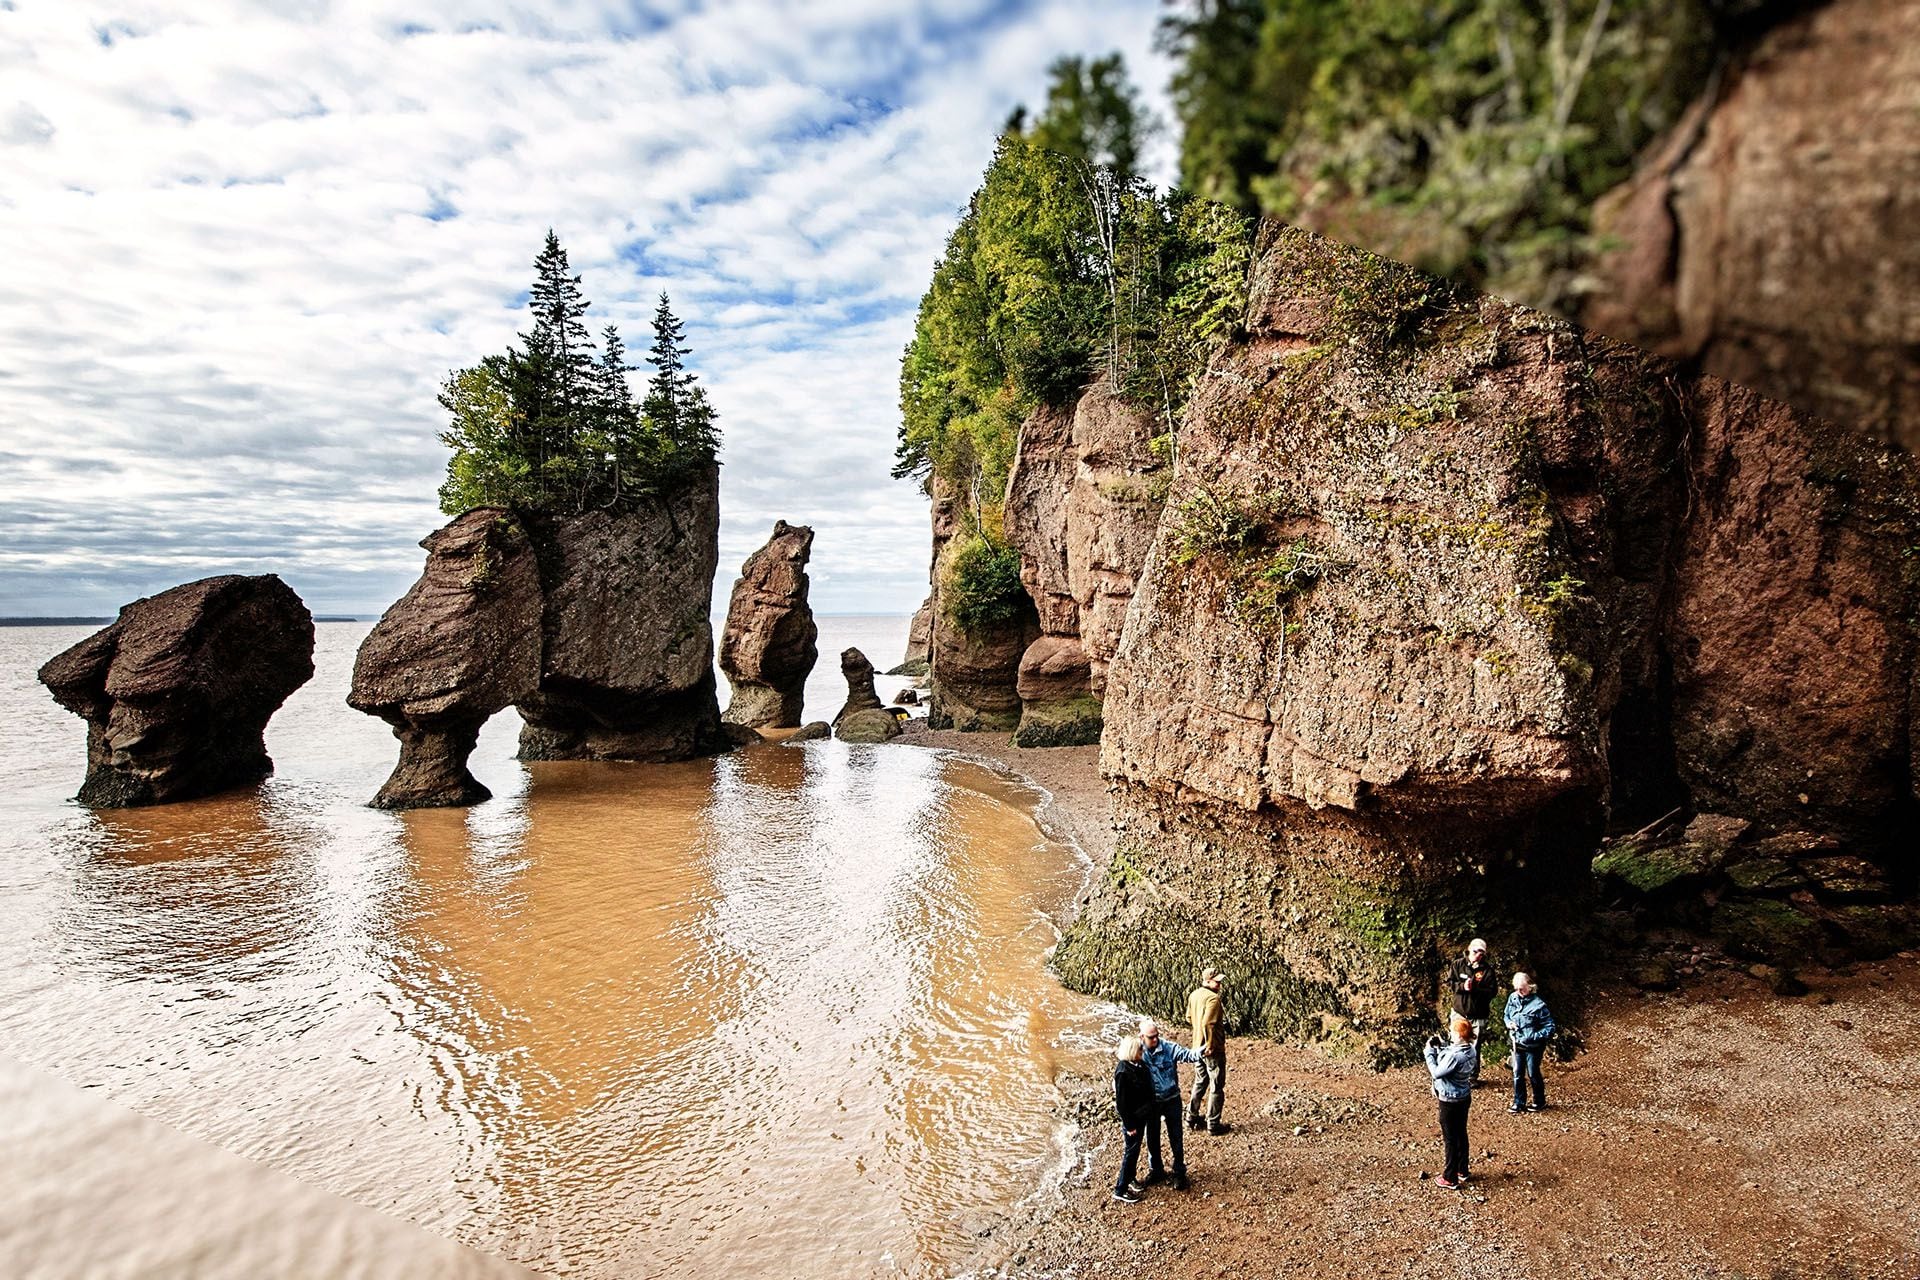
{"points": [[1473, 983], [1454, 1066], [1163, 1058], [1133, 1101], [1529, 1028]]}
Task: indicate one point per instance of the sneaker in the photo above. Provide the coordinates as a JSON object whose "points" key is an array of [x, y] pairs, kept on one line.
{"points": [[1136, 1188], [1445, 1183], [1196, 1122], [1127, 1195], [1514, 1111], [1153, 1176], [1219, 1127], [1538, 1106], [1180, 1182]]}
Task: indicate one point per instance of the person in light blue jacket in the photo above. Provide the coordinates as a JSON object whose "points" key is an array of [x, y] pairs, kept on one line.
{"points": [[1529, 1028], [1453, 1068], [1163, 1058]]}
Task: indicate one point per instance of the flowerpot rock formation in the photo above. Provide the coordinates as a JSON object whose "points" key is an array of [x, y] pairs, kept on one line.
{"points": [[768, 646], [177, 692], [593, 626]]}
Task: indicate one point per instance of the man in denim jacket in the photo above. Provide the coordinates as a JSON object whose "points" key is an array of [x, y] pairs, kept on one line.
{"points": [[1163, 1058], [1529, 1027]]}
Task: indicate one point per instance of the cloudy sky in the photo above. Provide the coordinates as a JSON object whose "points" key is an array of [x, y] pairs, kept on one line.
{"points": [[245, 241]]}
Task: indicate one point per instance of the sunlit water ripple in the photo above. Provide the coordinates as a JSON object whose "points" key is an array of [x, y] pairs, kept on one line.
{"points": [[783, 1012]]}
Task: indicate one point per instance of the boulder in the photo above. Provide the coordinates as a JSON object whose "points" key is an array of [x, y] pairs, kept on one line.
{"points": [[461, 646], [860, 691], [627, 647], [739, 735], [177, 692], [907, 698], [767, 648], [812, 731], [1769, 239], [1058, 707], [867, 725], [1444, 589]]}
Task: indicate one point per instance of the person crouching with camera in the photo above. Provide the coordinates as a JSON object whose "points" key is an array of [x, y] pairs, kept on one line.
{"points": [[1453, 1067]]}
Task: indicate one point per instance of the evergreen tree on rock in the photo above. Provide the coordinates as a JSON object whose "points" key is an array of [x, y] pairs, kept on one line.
{"points": [[676, 406]]}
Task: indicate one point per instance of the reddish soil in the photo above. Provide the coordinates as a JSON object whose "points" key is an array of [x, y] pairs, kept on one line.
{"points": [[1715, 1132]]}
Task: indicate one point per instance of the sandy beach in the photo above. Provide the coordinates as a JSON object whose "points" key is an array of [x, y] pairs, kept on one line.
{"points": [[1714, 1131]]}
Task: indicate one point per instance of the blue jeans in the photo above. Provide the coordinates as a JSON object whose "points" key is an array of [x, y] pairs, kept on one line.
{"points": [[1130, 1162], [1526, 1066], [1166, 1111]]}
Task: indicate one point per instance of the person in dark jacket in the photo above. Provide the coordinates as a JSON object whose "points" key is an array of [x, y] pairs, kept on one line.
{"points": [[1473, 983], [1133, 1100], [1529, 1028], [1453, 1068]]}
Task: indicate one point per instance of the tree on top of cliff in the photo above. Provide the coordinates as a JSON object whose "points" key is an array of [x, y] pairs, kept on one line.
{"points": [[1468, 137], [552, 425], [1063, 268], [676, 405]]}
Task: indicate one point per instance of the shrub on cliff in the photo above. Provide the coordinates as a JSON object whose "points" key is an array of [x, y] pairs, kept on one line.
{"points": [[982, 589], [552, 425], [1470, 137]]}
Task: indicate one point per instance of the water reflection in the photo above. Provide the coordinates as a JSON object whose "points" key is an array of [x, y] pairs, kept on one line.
{"points": [[782, 1012]]}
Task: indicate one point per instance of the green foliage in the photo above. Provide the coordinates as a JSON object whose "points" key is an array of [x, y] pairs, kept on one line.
{"points": [[1064, 267], [551, 425], [1468, 136], [1235, 538], [982, 589]]}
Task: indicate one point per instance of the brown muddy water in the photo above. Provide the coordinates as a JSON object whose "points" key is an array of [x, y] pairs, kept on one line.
{"points": [[780, 1013]]}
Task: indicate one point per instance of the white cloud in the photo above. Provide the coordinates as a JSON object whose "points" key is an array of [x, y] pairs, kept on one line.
{"points": [[247, 240]]}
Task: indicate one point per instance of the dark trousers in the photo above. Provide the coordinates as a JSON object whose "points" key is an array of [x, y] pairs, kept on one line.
{"points": [[1526, 1066], [1453, 1129], [1209, 1086], [1130, 1162], [1166, 1111]]}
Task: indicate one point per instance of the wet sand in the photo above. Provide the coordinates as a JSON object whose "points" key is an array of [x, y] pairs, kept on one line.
{"points": [[1715, 1132]]}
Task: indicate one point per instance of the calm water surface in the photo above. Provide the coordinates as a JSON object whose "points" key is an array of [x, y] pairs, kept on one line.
{"points": [[779, 1013]]}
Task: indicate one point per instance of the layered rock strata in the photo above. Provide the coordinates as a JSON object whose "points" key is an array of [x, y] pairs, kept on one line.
{"points": [[1769, 239], [768, 646], [1445, 590], [1083, 501], [917, 659], [177, 692], [593, 626], [459, 648]]}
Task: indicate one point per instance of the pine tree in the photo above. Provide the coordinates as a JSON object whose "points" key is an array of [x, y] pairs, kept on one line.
{"points": [[618, 420], [676, 406], [558, 369]]}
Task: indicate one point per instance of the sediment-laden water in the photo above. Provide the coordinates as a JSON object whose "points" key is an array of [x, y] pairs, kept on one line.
{"points": [[778, 1013]]}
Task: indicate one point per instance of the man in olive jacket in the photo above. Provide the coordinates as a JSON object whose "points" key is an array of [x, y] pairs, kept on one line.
{"points": [[1204, 1011]]}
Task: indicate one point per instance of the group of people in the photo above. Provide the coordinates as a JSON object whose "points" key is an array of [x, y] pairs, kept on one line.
{"points": [[1148, 1098], [1146, 1090]]}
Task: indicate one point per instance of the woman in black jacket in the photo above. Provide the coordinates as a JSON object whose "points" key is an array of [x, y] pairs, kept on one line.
{"points": [[1133, 1100]]}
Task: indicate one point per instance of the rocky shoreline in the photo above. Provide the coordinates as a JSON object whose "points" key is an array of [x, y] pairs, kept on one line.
{"points": [[1718, 1130]]}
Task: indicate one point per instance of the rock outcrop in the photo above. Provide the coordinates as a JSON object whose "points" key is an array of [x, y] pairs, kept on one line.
{"points": [[863, 718], [971, 673], [177, 692], [1769, 239], [459, 648], [594, 626], [918, 657], [768, 648], [1083, 501], [1445, 590]]}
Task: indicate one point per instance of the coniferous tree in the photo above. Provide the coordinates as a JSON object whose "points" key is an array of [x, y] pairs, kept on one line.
{"points": [[676, 405]]}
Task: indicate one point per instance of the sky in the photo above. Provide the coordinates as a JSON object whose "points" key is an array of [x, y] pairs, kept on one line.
{"points": [[244, 243]]}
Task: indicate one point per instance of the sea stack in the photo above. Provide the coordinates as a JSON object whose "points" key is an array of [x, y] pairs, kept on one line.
{"points": [[768, 646], [461, 646], [864, 718], [627, 647], [177, 692]]}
